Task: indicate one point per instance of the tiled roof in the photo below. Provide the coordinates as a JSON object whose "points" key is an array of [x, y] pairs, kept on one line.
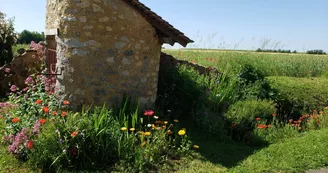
{"points": [[170, 34]]}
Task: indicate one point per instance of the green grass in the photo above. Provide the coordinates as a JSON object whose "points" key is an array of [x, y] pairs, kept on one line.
{"points": [[19, 46], [293, 155], [303, 95], [271, 64]]}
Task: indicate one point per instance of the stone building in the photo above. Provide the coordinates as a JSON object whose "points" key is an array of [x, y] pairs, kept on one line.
{"points": [[106, 48]]}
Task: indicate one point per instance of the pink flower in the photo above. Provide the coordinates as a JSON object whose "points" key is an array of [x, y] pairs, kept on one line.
{"points": [[29, 80], [149, 113], [13, 88], [7, 70]]}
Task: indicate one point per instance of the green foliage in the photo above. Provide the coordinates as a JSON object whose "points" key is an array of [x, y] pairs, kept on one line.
{"points": [[244, 114], [253, 84], [7, 40], [26, 37], [317, 52], [17, 47]]}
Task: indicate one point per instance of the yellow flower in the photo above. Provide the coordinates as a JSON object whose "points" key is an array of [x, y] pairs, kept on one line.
{"points": [[132, 129], [143, 143], [141, 133], [196, 146], [165, 122], [176, 121], [124, 129], [182, 132], [153, 125], [147, 133]]}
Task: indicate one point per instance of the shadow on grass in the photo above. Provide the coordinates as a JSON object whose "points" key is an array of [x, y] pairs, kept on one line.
{"points": [[179, 92]]}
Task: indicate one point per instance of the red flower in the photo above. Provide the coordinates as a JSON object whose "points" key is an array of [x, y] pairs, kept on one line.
{"points": [[258, 119], [233, 125], [42, 121], [149, 113], [63, 114], [30, 144], [74, 152], [66, 102], [54, 113], [45, 109], [38, 101], [15, 120], [74, 134]]}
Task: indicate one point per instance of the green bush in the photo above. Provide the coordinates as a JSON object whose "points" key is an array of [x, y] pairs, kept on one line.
{"points": [[244, 113], [7, 39]]}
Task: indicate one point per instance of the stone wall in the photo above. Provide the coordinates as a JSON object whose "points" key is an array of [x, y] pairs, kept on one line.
{"points": [[104, 49], [21, 67]]}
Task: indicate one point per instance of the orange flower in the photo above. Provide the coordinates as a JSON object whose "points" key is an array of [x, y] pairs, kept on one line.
{"points": [[45, 109], [261, 126], [30, 144], [74, 134], [15, 120], [293, 125], [42, 121], [299, 121], [38, 101], [66, 102], [54, 113], [64, 114], [258, 119]]}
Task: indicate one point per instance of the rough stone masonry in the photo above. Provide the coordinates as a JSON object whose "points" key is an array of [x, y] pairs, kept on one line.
{"points": [[104, 48]]}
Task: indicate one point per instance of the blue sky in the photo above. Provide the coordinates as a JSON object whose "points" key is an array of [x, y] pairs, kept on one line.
{"points": [[239, 24]]}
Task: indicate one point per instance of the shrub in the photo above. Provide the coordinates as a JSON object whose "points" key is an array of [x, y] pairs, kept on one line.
{"points": [[7, 40], [26, 37], [318, 52], [243, 113]]}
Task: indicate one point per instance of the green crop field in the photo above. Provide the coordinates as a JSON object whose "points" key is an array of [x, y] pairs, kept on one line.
{"points": [[271, 64]]}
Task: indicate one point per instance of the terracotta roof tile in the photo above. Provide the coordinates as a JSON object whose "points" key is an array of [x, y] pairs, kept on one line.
{"points": [[160, 24]]}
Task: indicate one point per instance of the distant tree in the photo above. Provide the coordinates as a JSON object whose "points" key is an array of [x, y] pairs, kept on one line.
{"points": [[25, 37], [7, 39], [294, 51]]}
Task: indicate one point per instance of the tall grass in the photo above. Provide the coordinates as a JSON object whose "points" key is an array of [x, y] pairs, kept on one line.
{"points": [[270, 64]]}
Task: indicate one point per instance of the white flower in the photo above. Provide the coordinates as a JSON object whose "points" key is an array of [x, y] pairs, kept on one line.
{"points": [[149, 125], [156, 117], [168, 110]]}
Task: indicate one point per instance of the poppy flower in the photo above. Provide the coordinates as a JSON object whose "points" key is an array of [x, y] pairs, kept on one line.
{"points": [[74, 152], [258, 119], [54, 113], [261, 126], [42, 121], [149, 113], [66, 102], [30, 144], [45, 109], [15, 120], [181, 132], [74, 134], [38, 101], [63, 114]]}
